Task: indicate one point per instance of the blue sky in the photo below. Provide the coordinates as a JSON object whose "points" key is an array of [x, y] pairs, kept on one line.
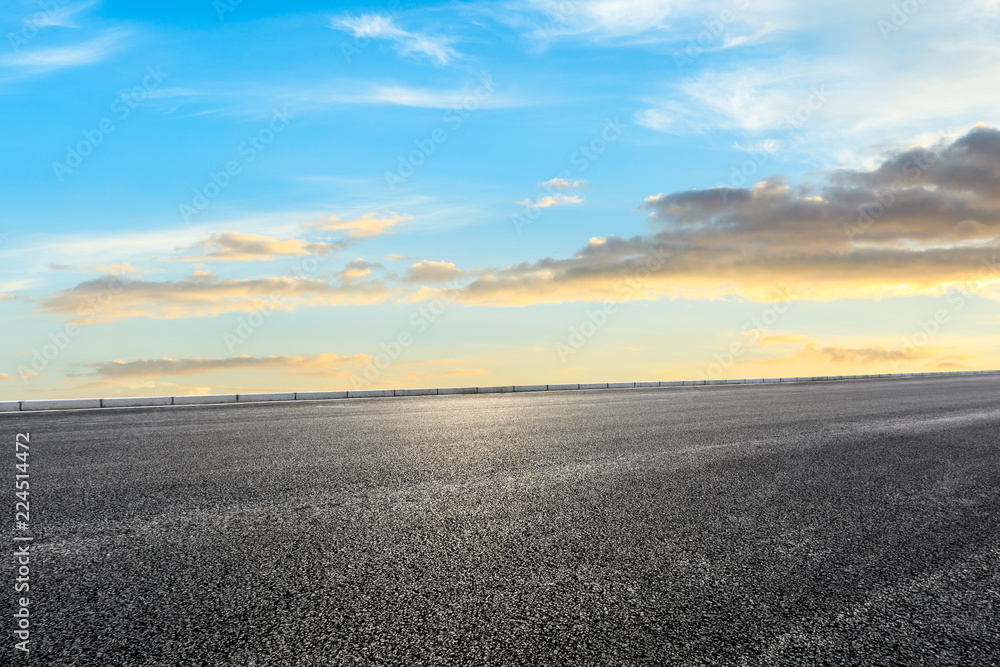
{"points": [[330, 169]]}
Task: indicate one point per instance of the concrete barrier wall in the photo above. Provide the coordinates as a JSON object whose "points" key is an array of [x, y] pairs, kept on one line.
{"points": [[319, 395], [415, 392], [136, 401], [62, 404], [458, 390], [154, 401], [205, 399], [263, 398], [370, 393]]}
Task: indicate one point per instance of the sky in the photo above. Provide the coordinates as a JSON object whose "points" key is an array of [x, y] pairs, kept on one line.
{"points": [[218, 196]]}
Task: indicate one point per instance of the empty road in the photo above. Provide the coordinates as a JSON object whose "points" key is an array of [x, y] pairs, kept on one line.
{"points": [[817, 523]]}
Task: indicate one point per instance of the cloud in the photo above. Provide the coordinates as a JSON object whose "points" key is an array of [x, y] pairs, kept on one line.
{"points": [[167, 93], [923, 221], [234, 247], [953, 361], [6, 378], [407, 44], [118, 268], [369, 224], [882, 90], [548, 201], [769, 146], [561, 184], [813, 353], [866, 355], [357, 269], [84, 53], [202, 294], [433, 272], [479, 93], [712, 26], [62, 17], [325, 365], [604, 19], [747, 99], [411, 97]]}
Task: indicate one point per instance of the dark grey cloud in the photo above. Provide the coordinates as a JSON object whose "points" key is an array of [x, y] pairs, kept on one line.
{"points": [[922, 220]]}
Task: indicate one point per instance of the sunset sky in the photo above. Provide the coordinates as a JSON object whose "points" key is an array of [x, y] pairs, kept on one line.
{"points": [[235, 196]]}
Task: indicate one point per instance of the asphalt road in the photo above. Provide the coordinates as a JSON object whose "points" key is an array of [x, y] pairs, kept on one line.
{"points": [[820, 523]]}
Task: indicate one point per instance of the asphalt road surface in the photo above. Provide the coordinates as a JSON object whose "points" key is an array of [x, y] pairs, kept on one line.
{"points": [[819, 523]]}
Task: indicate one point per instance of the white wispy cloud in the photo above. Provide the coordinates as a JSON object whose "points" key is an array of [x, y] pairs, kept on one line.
{"points": [[901, 81], [166, 93], [727, 23], [73, 55], [60, 16], [606, 18], [313, 97], [407, 44]]}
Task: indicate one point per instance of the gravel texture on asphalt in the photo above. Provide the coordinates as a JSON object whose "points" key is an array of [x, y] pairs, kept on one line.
{"points": [[814, 524]]}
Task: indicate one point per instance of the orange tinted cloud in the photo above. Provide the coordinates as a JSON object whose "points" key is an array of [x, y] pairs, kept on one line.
{"points": [[202, 294], [327, 364], [234, 247], [369, 224], [433, 272]]}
